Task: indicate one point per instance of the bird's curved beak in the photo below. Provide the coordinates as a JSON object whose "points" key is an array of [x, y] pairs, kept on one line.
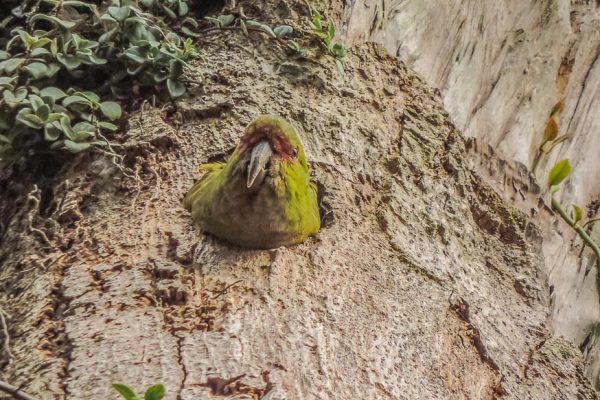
{"points": [[259, 162]]}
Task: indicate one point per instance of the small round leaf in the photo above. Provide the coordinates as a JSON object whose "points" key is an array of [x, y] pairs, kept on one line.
{"points": [[559, 172], [111, 110], [155, 392], [283, 30], [175, 88]]}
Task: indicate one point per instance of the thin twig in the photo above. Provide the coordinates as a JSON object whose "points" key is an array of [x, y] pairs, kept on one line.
{"points": [[6, 342], [34, 196], [222, 292], [15, 392], [591, 221]]}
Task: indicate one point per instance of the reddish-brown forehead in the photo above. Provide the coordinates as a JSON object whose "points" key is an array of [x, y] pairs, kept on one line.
{"points": [[279, 142]]}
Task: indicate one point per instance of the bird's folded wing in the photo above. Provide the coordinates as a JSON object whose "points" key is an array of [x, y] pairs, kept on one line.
{"points": [[209, 170]]}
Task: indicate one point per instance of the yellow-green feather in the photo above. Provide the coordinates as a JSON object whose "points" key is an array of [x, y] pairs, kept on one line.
{"points": [[284, 210]]}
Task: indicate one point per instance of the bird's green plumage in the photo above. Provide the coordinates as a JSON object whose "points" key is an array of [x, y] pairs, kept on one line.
{"points": [[282, 210]]}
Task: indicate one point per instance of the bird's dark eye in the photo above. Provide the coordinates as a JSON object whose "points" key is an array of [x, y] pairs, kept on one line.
{"points": [[295, 153]]}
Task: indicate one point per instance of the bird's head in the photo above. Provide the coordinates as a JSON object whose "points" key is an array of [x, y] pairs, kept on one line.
{"points": [[270, 143]]}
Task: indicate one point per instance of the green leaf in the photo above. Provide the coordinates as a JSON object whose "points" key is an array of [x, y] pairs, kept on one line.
{"points": [[91, 96], [6, 81], [96, 60], [226, 20], [26, 117], [50, 102], [559, 172], [76, 3], [108, 19], [316, 22], [111, 110], [69, 61], [20, 94], [183, 8], [41, 42], [83, 126], [267, 28], [189, 32], [340, 66], [43, 112], [53, 92], [243, 27], [125, 391], [107, 36], [36, 101], [283, 30], [41, 51], [54, 117], [11, 64], [56, 21], [9, 97], [119, 13], [70, 100], [108, 126], [4, 139], [175, 88], [155, 392], [168, 11], [75, 147], [4, 55], [330, 30], [51, 132], [214, 21], [261, 26], [296, 47], [191, 21], [65, 125], [577, 213], [175, 69], [52, 70], [135, 54], [148, 3], [14, 98], [339, 50], [172, 37], [36, 69], [252, 23], [25, 37]]}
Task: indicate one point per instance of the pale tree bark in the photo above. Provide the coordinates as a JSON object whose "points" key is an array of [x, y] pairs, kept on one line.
{"points": [[501, 67]]}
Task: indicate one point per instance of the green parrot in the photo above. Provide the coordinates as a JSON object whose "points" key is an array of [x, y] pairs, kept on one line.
{"points": [[262, 197]]}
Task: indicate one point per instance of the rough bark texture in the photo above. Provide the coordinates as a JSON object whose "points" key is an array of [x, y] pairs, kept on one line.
{"points": [[501, 67], [422, 284]]}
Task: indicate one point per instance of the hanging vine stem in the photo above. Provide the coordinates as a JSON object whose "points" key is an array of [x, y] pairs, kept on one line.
{"points": [[578, 228], [557, 175]]}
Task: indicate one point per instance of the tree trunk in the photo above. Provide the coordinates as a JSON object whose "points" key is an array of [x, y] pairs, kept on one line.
{"points": [[502, 66]]}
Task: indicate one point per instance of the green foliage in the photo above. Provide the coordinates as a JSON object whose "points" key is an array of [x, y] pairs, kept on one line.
{"points": [[155, 392], [326, 33], [246, 25], [577, 213], [559, 173], [64, 62]]}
